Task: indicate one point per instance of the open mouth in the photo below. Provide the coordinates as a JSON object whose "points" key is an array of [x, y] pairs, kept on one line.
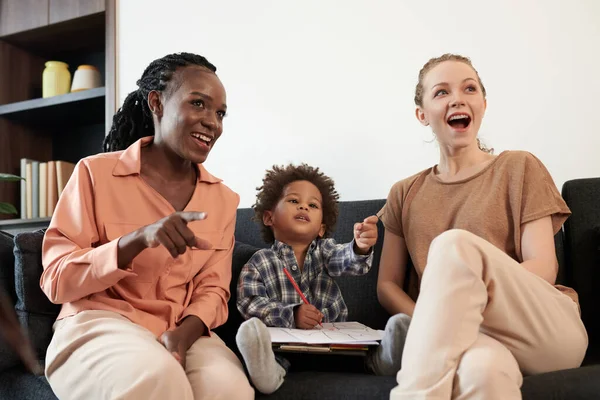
{"points": [[459, 121], [302, 217], [206, 140]]}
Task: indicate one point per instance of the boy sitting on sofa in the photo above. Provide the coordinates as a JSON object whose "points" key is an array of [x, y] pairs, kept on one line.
{"points": [[297, 206]]}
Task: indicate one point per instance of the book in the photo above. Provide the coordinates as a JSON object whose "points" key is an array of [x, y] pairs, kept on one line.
{"points": [[52, 188], [29, 190], [43, 190], [337, 333], [24, 182], [350, 350], [35, 189], [64, 170]]}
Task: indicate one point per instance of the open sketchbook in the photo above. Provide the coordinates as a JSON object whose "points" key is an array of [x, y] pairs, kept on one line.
{"points": [[330, 333]]}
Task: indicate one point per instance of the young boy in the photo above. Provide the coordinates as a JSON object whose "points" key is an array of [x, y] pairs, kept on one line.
{"points": [[297, 206]]}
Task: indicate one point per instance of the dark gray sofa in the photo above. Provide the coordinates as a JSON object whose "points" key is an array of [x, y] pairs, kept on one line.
{"points": [[325, 376]]}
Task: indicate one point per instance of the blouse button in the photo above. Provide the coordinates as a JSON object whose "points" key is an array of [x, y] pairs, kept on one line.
{"points": [[294, 268]]}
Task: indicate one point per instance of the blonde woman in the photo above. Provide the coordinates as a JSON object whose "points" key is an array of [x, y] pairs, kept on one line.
{"points": [[479, 230]]}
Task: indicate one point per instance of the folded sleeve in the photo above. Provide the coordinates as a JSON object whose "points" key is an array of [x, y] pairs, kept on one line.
{"points": [[391, 213], [540, 197]]}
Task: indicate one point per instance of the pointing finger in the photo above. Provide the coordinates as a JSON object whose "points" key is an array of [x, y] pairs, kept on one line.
{"points": [[189, 216], [371, 220]]}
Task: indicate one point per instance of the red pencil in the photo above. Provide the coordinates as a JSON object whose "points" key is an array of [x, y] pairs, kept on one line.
{"points": [[291, 278]]}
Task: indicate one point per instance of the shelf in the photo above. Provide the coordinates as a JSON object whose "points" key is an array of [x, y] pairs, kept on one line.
{"points": [[79, 108], [46, 41], [14, 226]]}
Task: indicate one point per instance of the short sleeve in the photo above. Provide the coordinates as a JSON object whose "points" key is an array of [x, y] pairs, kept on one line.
{"points": [[391, 213], [540, 197]]}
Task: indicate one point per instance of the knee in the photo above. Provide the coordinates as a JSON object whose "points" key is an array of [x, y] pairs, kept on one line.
{"points": [[215, 372], [239, 388], [448, 247], [450, 239], [488, 372], [225, 382], [162, 376]]}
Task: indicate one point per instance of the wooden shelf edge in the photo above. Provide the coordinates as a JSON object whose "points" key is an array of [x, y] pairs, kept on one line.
{"points": [[89, 31], [33, 104]]}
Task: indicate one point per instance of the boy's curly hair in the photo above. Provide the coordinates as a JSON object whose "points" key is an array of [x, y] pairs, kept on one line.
{"points": [[276, 180]]}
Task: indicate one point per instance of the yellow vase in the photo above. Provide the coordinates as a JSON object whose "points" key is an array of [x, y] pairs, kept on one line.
{"points": [[56, 79]]}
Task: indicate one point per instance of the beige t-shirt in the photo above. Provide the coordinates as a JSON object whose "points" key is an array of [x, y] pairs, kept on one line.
{"points": [[515, 188]]}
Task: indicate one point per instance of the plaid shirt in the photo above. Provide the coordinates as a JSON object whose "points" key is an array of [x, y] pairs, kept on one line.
{"points": [[265, 292]]}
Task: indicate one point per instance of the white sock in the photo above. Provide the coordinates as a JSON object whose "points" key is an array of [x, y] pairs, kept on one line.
{"points": [[386, 359], [254, 342]]}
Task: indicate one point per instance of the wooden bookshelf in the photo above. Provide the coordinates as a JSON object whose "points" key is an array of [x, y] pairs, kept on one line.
{"points": [[67, 127], [77, 108]]}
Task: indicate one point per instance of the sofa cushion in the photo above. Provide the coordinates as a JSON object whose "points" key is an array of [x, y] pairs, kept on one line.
{"points": [[8, 358], [581, 250], [247, 230], [7, 265], [36, 313], [333, 386], [17, 384], [572, 384], [360, 292]]}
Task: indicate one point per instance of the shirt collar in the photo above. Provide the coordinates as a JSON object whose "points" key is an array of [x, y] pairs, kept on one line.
{"points": [[281, 248], [129, 162]]}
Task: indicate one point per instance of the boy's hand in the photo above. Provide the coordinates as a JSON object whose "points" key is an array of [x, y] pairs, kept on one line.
{"points": [[365, 235], [307, 316]]}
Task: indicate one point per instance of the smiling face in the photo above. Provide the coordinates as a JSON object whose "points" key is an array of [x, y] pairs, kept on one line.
{"points": [[453, 104], [298, 215], [189, 114]]}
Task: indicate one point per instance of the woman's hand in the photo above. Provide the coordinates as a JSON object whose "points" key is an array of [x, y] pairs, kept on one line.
{"points": [[307, 316], [172, 233], [179, 340], [365, 235], [175, 344]]}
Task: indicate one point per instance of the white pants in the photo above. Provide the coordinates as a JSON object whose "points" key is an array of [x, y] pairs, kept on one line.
{"points": [[480, 322], [102, 355]]}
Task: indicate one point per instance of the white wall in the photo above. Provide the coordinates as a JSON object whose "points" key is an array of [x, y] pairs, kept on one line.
{"points": [[331, 83]]}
